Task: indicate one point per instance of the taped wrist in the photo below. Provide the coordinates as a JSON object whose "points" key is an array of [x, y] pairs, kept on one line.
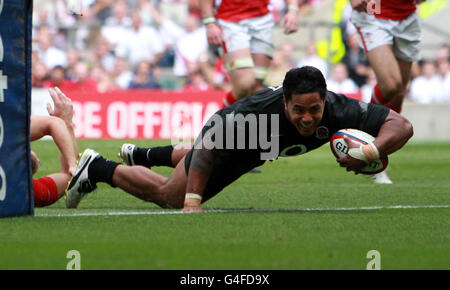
{"points": [[208, 20], [366, 153], [192, 199], [293, 8]]}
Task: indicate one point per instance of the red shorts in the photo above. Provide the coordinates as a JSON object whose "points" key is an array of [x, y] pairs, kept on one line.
{"points": [[45, 191]]}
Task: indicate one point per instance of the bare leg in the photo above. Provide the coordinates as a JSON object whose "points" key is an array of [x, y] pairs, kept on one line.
{"points": [[261, 61], [405, 69], [61, 180], [147, 185], [179, 151], [391, 73], [242, 78]]}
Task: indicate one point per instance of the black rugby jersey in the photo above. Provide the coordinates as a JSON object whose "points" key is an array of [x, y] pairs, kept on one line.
{"points": [[340, 112], [229, 164]]}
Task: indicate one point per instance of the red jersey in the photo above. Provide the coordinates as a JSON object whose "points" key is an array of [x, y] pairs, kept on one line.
{"points": [[237, 10], [396, 9]]}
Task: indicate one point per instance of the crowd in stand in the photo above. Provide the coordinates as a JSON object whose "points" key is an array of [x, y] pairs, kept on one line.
{"points": [[161, 44]]}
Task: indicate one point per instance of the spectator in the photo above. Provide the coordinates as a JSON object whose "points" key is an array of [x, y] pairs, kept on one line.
{"points": [[58, 79], [101, 9], [82, 80], [170, 32], [39, 74], [177, 10], [312, 59], [42, 18], [195, 79], [443, 53], [356, 60], [116, 26], [144, 7], [119, 16], [140, 43], [102, 54], [121, 73], [192, 47], [73, 57], [340, 82], [424, 88], [105, 81], [443, 76], [143, 78], [48, 54], [52, 14], [63, 18]]}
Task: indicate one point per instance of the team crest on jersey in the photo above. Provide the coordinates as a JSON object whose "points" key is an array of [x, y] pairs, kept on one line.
{"points": [[322, 132]]}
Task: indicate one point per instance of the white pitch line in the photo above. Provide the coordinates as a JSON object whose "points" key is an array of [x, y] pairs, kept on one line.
{"points": [[246, 210]]}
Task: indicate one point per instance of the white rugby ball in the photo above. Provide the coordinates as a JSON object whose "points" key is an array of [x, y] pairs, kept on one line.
{"points": [[340, 148]]}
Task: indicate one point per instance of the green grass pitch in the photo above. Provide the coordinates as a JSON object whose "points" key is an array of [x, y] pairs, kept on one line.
{"points": [[302, 212]]}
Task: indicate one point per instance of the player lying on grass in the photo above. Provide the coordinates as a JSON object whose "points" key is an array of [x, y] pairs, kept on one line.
{"points": [[58, 125], [298, 117]]}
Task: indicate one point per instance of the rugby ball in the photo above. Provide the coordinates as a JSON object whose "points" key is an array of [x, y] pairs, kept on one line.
{"points": [[340, 148]]}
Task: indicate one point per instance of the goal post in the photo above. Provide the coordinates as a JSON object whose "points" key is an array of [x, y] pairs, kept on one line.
{"points": [[16, 190]]}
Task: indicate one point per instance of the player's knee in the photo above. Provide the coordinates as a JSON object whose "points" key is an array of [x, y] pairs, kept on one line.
{"points": [[45, 191], [393, 88]]}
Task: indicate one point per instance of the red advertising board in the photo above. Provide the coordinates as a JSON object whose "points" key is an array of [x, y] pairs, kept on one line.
{"points": [[143, 114], [139, 114]]}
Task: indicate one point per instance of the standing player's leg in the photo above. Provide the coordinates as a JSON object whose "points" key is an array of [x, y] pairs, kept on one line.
{"points": [[392, 77], [262, 63], [240, 65], [405, 70], [262, 48], [238, 59]]}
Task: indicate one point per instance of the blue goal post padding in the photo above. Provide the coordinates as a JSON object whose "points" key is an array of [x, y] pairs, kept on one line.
{"points": [[16, 189]]}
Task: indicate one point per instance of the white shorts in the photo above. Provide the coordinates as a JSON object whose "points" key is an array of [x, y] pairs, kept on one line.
{"points": [[403, 35], [254, 33]]}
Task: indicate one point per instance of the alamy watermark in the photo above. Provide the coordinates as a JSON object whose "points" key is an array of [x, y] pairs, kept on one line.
{"points": [[242, 132], [375, 262], [75, 260]]}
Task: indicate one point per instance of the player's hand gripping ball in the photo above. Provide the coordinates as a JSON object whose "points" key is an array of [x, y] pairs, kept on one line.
{"points": [[340, 148]]}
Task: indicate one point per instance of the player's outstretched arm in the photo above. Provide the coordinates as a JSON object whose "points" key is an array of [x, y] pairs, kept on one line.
{"points": [[394, 133], [63, 109], [199, 172]]}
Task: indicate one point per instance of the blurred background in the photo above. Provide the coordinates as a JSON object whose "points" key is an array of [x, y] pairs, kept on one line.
{"points": [[143, 68], [161, 44]]}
